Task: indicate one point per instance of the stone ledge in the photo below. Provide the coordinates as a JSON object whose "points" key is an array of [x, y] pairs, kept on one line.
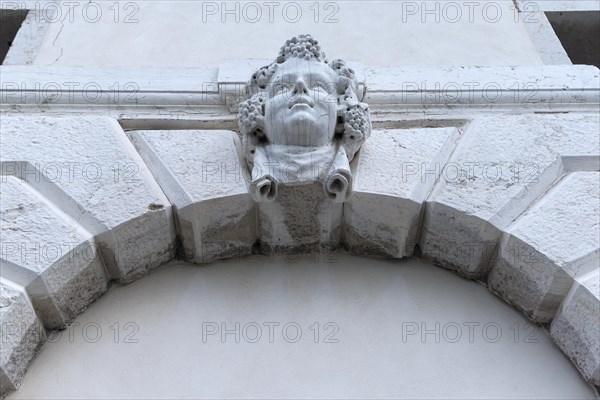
{"points": [[108, 86], [545, 86], [549, 88]]}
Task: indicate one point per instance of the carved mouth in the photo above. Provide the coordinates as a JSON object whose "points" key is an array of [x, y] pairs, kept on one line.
{"points": [[301, 101]]}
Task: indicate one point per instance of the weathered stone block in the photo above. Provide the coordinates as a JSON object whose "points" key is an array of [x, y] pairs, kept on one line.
{"points": [[201, 174], [502, 164], [50, 255], [88, 168], [301, 220], [554, 242], [576, 327], [21, 334], [396, 170]]}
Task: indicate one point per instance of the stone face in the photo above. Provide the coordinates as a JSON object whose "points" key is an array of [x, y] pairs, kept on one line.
{"points": [[576, 327], [201, 174], [502, 164], [301, 124], [22, 335], [303, 116], [396, 170], [87, 167], [49, 254], [553, 243]]}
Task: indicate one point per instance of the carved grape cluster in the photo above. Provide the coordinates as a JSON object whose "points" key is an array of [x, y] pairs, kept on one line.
{"points": [[356, 123], [301, 46], [357, 127], [347, 77], [260, 79], [250, 115]]}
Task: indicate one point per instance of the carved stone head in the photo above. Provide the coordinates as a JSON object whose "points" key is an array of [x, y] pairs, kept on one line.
{"points": [[302, 104]]}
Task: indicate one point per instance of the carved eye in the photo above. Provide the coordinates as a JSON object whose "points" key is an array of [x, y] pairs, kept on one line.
{"points": [[280, 87], [318, 85]]}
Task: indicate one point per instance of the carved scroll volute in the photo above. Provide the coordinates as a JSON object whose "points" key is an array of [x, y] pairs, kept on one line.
{"points": [[302, 122]]}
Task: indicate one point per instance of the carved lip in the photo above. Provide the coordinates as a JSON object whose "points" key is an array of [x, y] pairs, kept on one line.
{"points": [[301, 100]]}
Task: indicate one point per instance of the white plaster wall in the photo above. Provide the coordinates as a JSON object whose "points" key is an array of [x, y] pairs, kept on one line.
{"points": [[162, 354], [379, 33]]}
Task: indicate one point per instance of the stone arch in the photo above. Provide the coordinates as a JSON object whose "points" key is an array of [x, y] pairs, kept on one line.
{"points": [[531, 240]]}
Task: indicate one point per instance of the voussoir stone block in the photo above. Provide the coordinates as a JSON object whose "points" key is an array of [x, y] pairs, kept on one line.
{"points": [[49, 254], [88, 168], [576, 326], [396, 170], [22, 335], [301, 220], [201, 174], [502, 164], [555, 241]]}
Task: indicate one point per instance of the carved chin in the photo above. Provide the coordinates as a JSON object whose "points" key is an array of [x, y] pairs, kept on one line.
{"points": [[301, 116], [313, 131]]}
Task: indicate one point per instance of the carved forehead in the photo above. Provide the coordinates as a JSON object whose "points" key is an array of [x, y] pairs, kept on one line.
{"points": [[303, 55], [308, 70]]}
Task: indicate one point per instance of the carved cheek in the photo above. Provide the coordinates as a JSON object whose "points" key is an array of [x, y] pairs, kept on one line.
{"points": [[270, 108], [326, 108], [275, 110]]}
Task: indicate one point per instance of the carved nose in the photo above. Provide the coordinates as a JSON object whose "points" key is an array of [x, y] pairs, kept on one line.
{"points": [[300, 88]]}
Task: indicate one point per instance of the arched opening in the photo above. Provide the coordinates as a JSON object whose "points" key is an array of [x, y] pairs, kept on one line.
{"points": [[316, 326]]}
